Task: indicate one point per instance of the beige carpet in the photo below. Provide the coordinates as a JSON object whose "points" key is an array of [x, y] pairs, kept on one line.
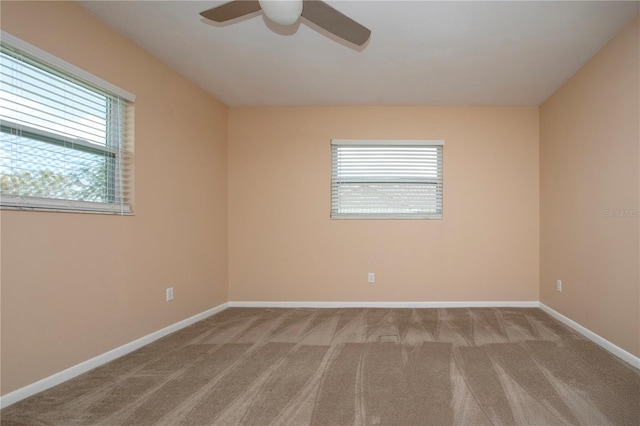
{"points": [[352, 366]]}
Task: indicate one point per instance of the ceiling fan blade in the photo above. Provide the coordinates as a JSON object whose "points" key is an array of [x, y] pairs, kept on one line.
{"points": [[232, 10], [326, 17]]}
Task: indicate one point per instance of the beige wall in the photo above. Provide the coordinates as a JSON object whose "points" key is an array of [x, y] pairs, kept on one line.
{"points": [[284, 247], [589, 155], [75, 286]]}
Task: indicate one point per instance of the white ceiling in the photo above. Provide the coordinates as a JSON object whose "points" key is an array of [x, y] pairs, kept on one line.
{"points": [[420, 52]]}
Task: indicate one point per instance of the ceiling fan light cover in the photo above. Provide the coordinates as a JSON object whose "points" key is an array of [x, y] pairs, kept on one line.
{"points": [[283, 12]]}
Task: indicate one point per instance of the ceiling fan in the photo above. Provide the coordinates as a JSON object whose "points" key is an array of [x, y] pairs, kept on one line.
{"points": [[287, 12]]}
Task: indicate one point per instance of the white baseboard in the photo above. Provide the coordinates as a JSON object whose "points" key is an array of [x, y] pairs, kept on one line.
{"points": [[601, 341], [83, 367], [515, 304]]}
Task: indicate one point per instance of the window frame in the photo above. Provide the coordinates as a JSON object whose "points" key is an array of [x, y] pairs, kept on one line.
{"points": [[437, 181], [116, 204]]}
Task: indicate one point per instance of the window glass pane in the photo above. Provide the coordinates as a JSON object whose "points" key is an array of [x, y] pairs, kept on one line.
{"points": [[387, 198], [34, 168]]}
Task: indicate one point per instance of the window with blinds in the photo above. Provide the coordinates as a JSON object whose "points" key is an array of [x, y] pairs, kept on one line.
{"points": [[63, 139], [381, 179]]}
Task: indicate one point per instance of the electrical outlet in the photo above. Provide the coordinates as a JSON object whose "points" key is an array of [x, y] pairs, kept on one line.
{"points": [[372, 277], [169, 293], [559, 285]]}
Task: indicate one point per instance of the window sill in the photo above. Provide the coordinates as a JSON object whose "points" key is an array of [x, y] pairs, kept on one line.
{"points": [[62, 206], [361, 216]]}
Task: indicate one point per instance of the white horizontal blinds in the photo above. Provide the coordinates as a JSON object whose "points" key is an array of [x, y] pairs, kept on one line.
{"points": [[61, 141], [386, 179]]}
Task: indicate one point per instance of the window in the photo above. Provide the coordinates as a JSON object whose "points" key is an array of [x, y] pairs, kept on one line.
{"points": [[63, 143], [380, 179]]}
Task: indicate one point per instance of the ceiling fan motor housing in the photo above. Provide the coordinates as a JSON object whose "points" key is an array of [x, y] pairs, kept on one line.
{"points": [[283, 12]]}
